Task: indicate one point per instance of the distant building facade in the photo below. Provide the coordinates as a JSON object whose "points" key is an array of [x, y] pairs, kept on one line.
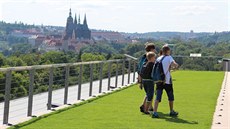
{"points": [[109, 36], [76, 30]]}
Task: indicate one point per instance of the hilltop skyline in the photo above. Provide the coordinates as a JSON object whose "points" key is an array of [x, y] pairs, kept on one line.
{"points": [[124, 16]]}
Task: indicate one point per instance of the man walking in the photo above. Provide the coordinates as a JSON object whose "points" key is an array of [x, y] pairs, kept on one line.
{"points": [[167, 62]]}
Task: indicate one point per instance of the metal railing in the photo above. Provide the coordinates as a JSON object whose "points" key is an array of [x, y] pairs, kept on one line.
{"points": [[66, 74], [203, 63]]}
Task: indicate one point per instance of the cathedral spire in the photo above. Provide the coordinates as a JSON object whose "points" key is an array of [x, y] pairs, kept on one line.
{"points": [[79, 20], [75, 19], [85, 21], [70, 14]]}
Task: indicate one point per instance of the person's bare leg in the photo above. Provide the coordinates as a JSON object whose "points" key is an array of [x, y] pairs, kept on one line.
{"points": [[171, 106], [143, 106], [147, 106], [144, 101], [151, 105], [155, 105], [172, 112]]}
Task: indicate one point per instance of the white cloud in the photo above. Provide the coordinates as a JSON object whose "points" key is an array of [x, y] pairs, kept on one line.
{"points": [[193, 9], [82, 6]]}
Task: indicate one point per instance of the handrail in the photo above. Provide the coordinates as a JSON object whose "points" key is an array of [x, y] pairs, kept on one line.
{"points": [[226, 59], [198, 57], [22, 68], [128, 56]]}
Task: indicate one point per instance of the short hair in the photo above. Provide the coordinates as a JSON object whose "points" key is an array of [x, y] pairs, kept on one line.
{"points": [[161, 52], [150, 55], [165, 49], [149, 46]]}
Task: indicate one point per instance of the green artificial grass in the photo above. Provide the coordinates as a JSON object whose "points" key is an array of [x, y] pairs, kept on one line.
{"points": [[195, 99]]}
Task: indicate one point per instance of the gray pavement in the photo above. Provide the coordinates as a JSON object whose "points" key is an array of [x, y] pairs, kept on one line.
{"points": [[221, 117], [19, 107]]}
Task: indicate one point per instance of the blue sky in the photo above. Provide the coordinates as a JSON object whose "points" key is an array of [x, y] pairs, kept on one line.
{"points": [[124, 15]]}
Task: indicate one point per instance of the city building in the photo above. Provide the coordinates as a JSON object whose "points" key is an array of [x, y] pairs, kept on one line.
{"points": [[109, 36]]}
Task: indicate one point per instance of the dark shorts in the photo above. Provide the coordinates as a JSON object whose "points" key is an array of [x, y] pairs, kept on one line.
{"points": [[149, 89], [169, 90]]}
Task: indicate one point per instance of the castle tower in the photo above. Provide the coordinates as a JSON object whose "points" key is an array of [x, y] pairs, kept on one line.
{"points": [[69, 26]]}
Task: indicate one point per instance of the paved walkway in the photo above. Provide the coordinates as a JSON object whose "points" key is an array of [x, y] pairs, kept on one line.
{"points": [[221, 118], [18, 107]]}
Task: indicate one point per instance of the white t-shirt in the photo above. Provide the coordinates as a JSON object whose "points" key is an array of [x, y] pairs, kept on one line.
{"points": [[166, 67]]}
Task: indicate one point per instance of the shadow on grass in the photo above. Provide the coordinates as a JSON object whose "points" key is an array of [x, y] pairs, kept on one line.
{"points": [[175, 119]]}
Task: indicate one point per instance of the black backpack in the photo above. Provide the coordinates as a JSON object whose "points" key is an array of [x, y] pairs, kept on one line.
{"points": [[158, 74], [144, 71]]}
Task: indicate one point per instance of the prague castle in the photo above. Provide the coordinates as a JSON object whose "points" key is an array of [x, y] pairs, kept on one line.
{"points": [[76, 30]]}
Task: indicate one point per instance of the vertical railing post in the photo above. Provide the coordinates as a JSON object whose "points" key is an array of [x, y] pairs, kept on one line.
{"points": [[123, 72], [7, 97], [50, 88], [134, 70], [129, 71], [31, 92], [67, 68], [101, 76], [116, 74], [223, 63], [79, 83], [228, 69], [109, 75], [226, 66], [91, 80]]}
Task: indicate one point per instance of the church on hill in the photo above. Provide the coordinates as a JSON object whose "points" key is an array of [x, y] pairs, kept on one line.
{"points": [[75, 30]]}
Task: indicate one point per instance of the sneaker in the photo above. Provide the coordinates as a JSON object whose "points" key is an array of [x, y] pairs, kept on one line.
{"points": [[147, 113], [150, 110], [155, 115], [142, 108], [173, 113]]}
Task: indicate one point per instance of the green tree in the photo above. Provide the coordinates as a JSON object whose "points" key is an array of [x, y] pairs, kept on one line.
{"points": [[54, 57], [2, 60], [131, 49], [92, 57]]}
